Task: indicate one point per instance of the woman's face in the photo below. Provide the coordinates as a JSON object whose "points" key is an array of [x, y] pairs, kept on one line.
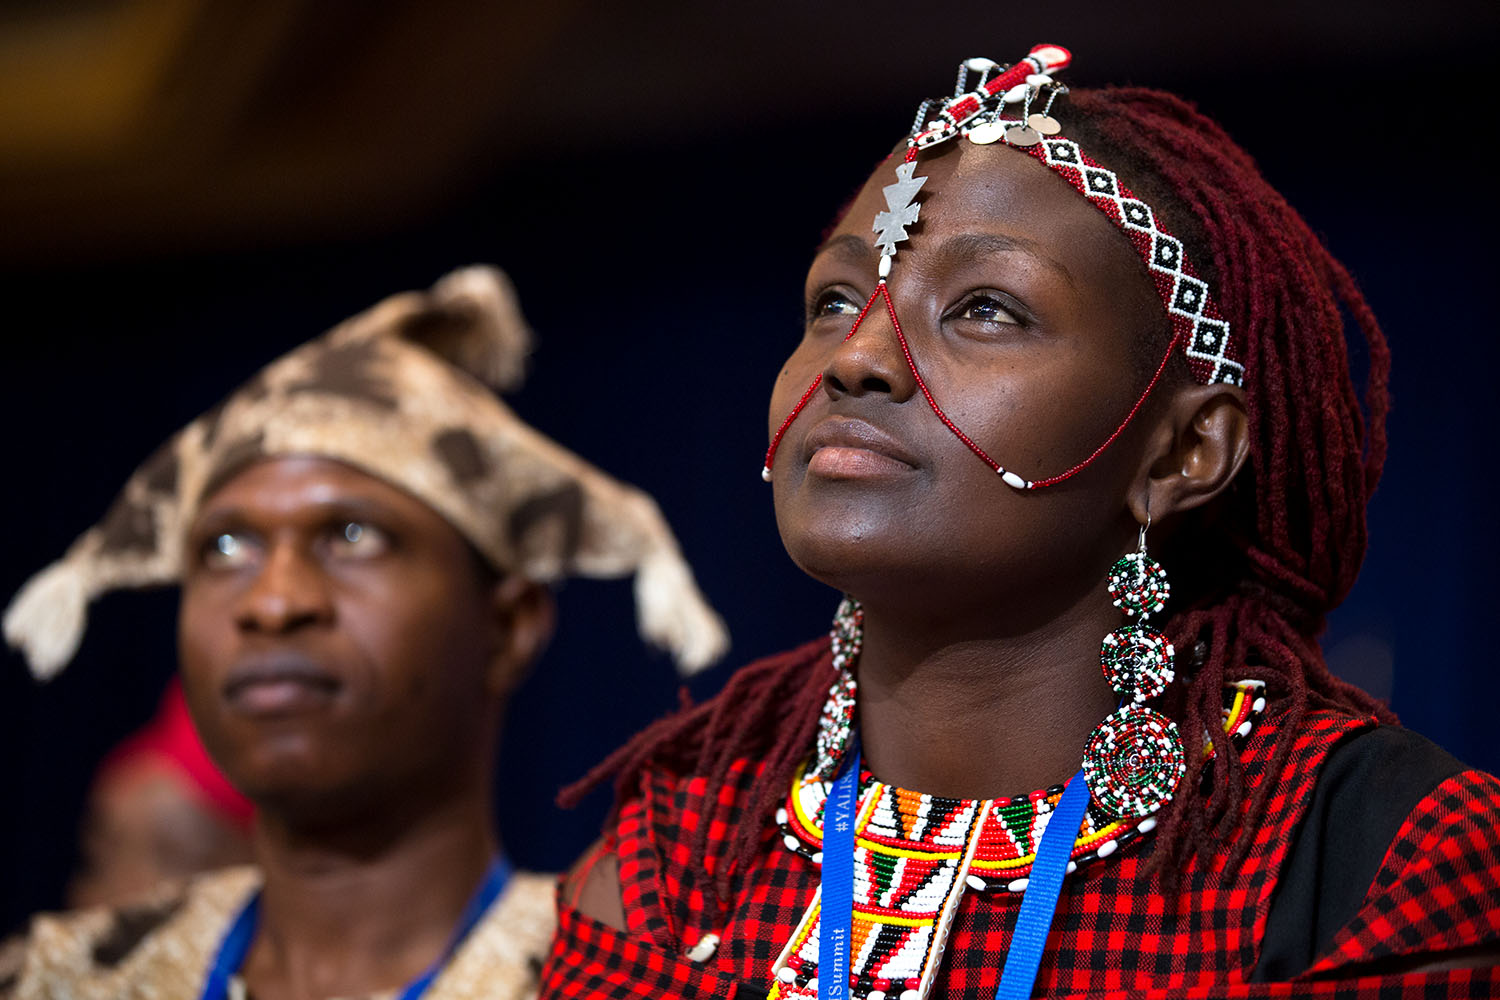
{"points": [[1022, 305], [336, 636]]}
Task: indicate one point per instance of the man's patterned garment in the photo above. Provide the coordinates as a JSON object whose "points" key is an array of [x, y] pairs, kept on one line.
{"points": [[162, 947]]}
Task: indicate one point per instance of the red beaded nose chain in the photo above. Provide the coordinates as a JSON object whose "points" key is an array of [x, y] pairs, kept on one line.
{"points": [[765, 472], [883, 291]]}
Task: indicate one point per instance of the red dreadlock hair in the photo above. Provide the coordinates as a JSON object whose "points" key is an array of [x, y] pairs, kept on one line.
{"points": [[1259, 571]]}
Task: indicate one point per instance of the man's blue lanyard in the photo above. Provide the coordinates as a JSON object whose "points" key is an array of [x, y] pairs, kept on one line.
{"points": [[236, 943], [1027, 942]]}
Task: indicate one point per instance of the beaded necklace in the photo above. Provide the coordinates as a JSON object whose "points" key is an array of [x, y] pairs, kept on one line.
{"points": [[916, 854]]}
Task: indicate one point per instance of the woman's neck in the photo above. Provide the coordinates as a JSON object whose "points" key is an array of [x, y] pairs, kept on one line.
{"points": [[953, 711], [366, 912]]}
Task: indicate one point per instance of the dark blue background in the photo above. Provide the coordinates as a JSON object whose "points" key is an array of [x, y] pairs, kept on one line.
{"points": [[663, 277]]}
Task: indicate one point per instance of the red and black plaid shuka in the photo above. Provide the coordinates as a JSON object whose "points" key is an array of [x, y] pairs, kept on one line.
{"points": [[1118, 932]]}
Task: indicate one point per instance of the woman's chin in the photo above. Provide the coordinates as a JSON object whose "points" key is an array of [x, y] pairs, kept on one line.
{"points": [[851, 565]]}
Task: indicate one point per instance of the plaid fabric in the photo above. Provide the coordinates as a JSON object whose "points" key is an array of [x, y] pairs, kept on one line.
{"points": [[1468, 984], [1438, 888], [599, 961], [1117, 930]]}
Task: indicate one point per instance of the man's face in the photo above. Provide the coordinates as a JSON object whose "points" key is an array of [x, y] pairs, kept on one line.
{"points": [[337, 639]]}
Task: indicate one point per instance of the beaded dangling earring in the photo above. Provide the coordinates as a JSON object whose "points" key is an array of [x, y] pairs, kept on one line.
{"points": [[1134, 758], [836, 724]]}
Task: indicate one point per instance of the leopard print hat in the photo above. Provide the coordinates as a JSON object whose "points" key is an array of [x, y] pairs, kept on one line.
{"points": [[403, 392]]}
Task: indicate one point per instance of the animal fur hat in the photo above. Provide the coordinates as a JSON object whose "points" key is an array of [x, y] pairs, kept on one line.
{"points": [[402, 392]]}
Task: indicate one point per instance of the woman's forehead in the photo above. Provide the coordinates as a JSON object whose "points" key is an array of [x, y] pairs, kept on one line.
{"points": [[977, 194]]}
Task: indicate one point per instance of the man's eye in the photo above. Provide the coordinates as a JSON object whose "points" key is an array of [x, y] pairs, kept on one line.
{"points": [[356, 538], [986, 309], [227, 550]]}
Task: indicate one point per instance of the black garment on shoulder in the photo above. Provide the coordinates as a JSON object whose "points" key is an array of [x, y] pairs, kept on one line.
{"points": [[1368, 785]]}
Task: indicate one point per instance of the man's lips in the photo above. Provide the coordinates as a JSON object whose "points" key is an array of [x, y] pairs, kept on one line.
{"points": [[279, 684], [845, 448]]}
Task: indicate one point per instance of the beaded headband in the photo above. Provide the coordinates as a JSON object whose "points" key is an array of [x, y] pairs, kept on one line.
{"points": [[979, 115]]}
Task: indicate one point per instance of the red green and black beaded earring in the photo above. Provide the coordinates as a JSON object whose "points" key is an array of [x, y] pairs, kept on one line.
{"points": [[1134, 758]]}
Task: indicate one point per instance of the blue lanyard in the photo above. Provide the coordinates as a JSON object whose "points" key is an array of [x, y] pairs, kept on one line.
{"points": [[1027, 941], [232, 950], [836, 917], [236, 944]]}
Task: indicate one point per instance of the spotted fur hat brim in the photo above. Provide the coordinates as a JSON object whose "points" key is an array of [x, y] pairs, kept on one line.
{"points": [[404, 392]]}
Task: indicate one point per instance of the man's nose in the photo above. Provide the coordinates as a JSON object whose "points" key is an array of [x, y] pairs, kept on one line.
{"points": [[289, 591]]}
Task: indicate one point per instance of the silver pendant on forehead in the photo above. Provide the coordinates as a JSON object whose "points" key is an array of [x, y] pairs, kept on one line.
{"points": [[901, 211]]}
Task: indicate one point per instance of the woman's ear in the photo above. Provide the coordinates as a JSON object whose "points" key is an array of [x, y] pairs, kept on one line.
{"points": [[1196, 451], [524, 617]]}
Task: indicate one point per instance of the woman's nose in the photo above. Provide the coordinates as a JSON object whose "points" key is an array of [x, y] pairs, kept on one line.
{"points": [[289, 591], [873, 358]]}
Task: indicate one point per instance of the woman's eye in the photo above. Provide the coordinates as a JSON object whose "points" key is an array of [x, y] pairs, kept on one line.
{"points": [[228, 550], [986, 309], [833, 303], [356, 538]]}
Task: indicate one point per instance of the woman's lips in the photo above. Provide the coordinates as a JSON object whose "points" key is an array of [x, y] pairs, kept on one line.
{"points": [[285, 684], [846, 448]]}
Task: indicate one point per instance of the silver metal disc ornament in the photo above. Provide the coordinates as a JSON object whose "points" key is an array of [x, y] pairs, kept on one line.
{"points": [[1022, 135], [1045, 124]]}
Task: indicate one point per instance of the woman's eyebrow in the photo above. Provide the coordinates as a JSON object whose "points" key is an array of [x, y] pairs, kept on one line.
{"points": [[848, 246], [984, 244], [851, 247]]}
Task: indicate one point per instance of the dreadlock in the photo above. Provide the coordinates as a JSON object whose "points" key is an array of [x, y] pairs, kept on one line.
{"points": [[1286, 545], [1263, 566]]}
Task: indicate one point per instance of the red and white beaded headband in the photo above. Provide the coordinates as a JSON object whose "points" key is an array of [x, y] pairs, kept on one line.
{"points": [[979, 115]]}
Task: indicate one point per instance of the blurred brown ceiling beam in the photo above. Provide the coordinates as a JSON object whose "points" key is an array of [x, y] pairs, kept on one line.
{"points": [[252, 121]]}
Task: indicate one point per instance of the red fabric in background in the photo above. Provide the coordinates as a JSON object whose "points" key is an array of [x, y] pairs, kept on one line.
{"points": [[171, 738]]}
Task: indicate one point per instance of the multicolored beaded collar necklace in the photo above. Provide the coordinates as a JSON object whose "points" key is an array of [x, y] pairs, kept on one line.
{"points": [[915, 855]]}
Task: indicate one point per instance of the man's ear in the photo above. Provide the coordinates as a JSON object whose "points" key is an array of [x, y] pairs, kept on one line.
{"points": [[1196, 450], [524, 617]]}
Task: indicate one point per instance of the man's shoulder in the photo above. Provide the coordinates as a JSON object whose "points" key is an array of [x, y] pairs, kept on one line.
{"points": [[500, 959], [158, 945]]}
